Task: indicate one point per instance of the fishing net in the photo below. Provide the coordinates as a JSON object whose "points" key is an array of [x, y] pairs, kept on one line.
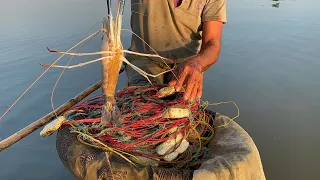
{"points": [[151, 133], [92, 150]]}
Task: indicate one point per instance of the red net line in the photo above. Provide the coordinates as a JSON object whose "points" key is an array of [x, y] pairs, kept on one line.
{"points": [[144, 126]]}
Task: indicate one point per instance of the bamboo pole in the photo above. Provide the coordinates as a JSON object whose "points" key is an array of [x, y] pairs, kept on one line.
{"points": [[4, 144]]}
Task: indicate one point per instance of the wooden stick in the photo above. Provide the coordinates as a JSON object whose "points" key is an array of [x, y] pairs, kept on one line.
{"points": [[4, 144]]}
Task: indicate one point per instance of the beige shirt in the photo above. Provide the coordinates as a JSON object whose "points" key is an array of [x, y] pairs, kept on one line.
{"points": [[173, 32]]}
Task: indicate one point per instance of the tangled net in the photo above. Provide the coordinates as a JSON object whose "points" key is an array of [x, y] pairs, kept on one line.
{"points": [[145, 128]]}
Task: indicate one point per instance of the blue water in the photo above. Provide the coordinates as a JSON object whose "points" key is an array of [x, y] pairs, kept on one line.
{"points": [[269, 65]]}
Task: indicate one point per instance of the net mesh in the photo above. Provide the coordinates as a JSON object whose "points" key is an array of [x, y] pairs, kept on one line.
{"points": [[144, 129]]}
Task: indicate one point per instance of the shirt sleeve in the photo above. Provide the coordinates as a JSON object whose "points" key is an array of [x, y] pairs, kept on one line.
{"points": [[215, 10]]}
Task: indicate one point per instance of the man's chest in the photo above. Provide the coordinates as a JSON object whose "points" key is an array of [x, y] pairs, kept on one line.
{"points": [[148, 7], [177, 3]]}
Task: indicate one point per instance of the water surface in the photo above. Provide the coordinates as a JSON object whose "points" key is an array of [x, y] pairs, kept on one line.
{"points": [[269, 65]]}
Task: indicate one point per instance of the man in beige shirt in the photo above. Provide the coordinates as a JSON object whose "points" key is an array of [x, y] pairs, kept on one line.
{"points": [[188, 32]]}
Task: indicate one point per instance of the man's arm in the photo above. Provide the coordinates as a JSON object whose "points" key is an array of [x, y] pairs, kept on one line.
{"points": [[190, 72], [211, 42]]}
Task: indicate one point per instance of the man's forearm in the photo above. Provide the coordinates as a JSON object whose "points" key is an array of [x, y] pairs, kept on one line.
{"points": [[208, 54]]}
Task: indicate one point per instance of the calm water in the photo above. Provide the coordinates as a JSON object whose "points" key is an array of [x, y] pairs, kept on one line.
{"points": [[269, 65]]}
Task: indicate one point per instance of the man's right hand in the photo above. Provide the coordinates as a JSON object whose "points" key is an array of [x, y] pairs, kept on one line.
{"points": [[189, 74]]}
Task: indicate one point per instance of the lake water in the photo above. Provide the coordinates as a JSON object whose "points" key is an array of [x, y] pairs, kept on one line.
{"points": [[269, 65]]}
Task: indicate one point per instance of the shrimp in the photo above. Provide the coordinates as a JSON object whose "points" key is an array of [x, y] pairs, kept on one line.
{"points": [[111, 67]]}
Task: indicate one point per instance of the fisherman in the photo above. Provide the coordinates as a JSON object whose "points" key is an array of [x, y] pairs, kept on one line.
{"points": [[188, 32]]}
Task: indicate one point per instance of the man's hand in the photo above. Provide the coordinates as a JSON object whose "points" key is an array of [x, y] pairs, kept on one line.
{"points": [[189, 73]]}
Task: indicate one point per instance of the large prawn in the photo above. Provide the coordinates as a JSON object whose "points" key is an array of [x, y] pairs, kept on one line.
{"points": [[111, 66]]}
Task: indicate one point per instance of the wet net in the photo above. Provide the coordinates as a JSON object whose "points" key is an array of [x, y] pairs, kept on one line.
{"points": [[151, 133]]}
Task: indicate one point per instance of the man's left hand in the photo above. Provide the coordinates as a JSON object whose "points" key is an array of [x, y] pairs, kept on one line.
{"points": [[189, 75]]}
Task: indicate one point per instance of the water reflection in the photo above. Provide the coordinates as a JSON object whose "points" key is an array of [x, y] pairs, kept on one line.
{"points": [[276, 5]]}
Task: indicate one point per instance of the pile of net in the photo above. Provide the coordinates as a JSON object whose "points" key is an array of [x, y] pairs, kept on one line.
{"points": [[158, 127]]}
